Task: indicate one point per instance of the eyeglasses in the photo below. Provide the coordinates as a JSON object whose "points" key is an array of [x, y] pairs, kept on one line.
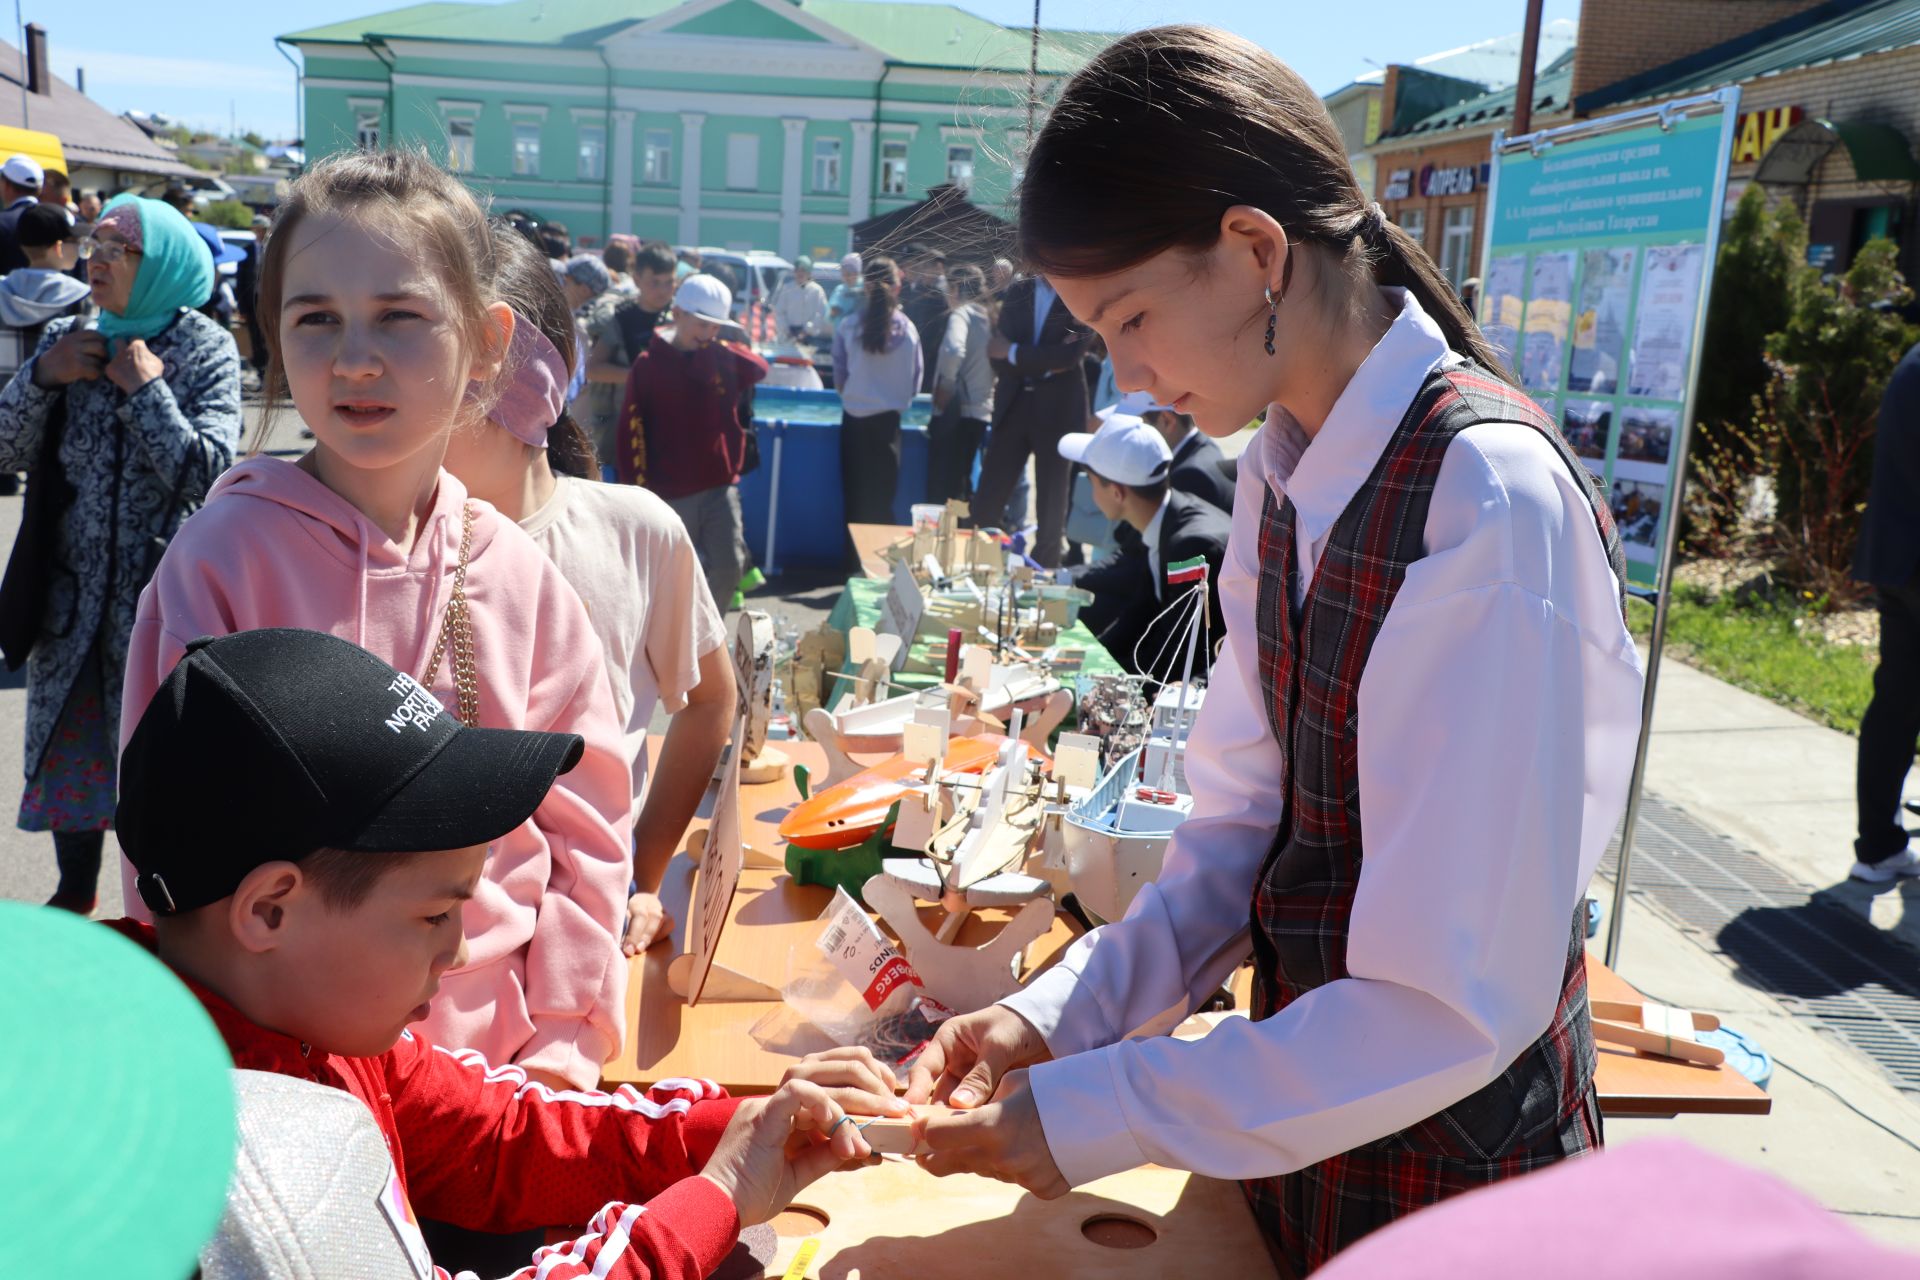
{"points": [[108, 251]]}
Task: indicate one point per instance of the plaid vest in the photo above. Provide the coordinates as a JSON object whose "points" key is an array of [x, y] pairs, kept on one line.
{"points": [[1541, 1108]]}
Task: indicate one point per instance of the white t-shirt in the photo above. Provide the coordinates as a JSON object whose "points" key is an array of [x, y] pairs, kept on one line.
{"points": [[628, 555]]}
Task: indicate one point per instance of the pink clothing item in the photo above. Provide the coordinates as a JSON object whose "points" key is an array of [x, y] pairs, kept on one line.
{"points": [[1666, 1211], [536, 395], [545, 984]]}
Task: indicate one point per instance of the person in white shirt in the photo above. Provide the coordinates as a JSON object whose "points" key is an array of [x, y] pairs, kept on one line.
{"points": [[1425, 642], [800, 305]]}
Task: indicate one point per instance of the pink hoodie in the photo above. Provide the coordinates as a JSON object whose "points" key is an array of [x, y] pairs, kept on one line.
{"points": [[545, 983]]}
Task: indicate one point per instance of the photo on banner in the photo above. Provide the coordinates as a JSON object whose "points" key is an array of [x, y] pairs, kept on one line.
{"points": [[1646, 435], [1663, 332], [1549, 302], [1637, 507], [1587, 424], [1600, 321]]}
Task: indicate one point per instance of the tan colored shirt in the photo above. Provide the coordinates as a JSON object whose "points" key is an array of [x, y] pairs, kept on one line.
{"points": [[630, 558]]}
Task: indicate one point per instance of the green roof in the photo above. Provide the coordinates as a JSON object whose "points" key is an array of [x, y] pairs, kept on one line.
{"points": [[1832, 32], [1551, 94], [928, 35], [394, 21]]}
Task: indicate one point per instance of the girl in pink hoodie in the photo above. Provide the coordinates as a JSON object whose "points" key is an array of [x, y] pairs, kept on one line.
{"points": [[377, 306]]}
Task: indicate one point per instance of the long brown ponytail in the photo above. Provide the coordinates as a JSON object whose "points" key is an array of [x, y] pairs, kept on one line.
{"points": [[1154, 140], [882, 281]]}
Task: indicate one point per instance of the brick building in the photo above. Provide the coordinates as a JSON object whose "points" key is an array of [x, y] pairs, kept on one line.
{"points": [[1830, 108]]}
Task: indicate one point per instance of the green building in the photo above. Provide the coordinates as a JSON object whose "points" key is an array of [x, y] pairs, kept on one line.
{"points": [[746, 124]]}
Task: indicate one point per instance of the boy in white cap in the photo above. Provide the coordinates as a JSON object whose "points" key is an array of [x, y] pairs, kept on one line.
{"points": [[20, 180], [1128, 463], [680, 432]]}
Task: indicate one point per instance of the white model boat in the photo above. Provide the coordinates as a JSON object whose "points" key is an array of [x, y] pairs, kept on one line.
{"points": [[1116, 838]]}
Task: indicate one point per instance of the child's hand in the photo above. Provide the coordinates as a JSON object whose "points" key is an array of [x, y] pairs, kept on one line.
{"points": [[773, 1147], [647, 923], [858, 1082]]}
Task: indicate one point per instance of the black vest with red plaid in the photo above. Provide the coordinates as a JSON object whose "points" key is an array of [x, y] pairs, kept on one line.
{"points": [[1541, 1107]]}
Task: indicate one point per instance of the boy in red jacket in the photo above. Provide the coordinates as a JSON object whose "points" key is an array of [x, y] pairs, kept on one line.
{"points": [[306, 823]]}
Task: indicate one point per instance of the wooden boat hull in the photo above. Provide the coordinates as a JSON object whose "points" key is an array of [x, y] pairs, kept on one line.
{"points": [[846, 814]]}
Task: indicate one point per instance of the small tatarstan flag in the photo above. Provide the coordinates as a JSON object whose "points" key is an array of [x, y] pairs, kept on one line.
{"points": [[1194, 570]]}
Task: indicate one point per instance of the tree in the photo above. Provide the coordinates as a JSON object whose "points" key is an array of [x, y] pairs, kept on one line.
{"points": [[254, 140], [1760, 251], [230, 213], [1830, 363]]}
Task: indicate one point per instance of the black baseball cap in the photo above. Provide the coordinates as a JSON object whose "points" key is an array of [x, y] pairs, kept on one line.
{"points": [[268, 745], [43, 224]]}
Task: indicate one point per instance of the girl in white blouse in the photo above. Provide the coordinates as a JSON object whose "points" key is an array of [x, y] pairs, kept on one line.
{"points": [[1425, 644]]}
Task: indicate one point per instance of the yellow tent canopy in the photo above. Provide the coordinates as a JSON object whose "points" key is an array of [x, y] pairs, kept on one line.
{"points": [[43, 147]]}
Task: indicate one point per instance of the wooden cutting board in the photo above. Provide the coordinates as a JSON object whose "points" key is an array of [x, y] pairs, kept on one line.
{"points": [[896, 1222]]}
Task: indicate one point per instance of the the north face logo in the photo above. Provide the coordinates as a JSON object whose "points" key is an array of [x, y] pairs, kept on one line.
{"points": [[418, 707]]}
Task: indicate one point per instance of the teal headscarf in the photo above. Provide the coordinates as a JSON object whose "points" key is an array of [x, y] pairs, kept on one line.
{"points": [[176, 270]]}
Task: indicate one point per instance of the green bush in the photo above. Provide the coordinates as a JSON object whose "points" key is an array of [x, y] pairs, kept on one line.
{"points": [[1830, 364], [230, 213]]}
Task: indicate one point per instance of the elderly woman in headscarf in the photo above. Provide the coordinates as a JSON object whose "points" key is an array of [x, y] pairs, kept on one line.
{"points": [[141, 411]]}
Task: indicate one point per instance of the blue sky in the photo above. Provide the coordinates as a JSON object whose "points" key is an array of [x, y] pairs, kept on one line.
{"points": [[202, 63]]}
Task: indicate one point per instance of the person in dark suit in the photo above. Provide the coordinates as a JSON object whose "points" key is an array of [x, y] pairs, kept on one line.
{"points": [[20, 179], [1134, 611], [1888, 557], [924, 300], [1199, 468], [1040, 397]]}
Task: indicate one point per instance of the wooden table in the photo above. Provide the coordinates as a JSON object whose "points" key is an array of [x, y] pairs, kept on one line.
{"points": [[1633, 1083], [773, 915]]}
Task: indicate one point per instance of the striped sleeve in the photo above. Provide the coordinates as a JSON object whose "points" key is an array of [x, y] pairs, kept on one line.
{"points": [[488, 1149], [634, 1242]]}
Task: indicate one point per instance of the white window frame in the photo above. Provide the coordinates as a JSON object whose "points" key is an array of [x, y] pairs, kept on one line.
{"points": [[526, 148], [656, 157], [590, 150], [826, 166], [960, 170], [1414, 223], [460, 159], [366, 122], [893, 168], [743, 162], [1456, 244]]}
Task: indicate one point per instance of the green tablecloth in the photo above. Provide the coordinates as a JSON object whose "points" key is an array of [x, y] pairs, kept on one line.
{"points": [[859, 606]]}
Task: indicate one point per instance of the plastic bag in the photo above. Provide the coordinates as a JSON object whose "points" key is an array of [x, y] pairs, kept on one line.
{"points": [[856, 987]]}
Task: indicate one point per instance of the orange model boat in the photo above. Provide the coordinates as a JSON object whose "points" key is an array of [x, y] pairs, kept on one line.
{"points": [[844, 815]]}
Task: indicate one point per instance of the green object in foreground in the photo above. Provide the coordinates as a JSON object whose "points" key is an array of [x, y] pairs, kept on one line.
{"points": [[117, 1138], [848, 868]]}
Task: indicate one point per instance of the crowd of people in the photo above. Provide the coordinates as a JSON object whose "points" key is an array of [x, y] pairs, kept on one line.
{"points": [[370, 725]]}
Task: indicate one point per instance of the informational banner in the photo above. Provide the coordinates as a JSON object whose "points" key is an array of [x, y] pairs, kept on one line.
{"points": [[1598, 263]]}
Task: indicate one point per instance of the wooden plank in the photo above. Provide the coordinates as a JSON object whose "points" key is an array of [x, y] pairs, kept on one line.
{"points": [[894, 1220], [870, 540], [1632, 1083]]}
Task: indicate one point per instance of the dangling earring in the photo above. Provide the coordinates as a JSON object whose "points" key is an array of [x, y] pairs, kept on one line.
{"points": [[1273, 317]]}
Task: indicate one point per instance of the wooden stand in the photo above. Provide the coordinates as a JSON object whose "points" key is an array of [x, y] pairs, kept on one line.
{"points": [[765, 767], [723, 985]]}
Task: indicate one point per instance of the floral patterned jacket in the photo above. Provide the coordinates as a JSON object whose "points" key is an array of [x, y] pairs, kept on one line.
{"points": [[138, 465]]}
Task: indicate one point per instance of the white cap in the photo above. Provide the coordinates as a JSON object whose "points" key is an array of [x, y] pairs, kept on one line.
{"points": [[1124, 450], [23, 171], [705, 298], [1135, 404]]}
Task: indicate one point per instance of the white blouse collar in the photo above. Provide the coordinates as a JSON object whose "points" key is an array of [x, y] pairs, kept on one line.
{"points": [[1323, 474]]}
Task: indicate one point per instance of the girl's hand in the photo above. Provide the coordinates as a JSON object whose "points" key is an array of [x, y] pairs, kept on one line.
{"points": [[773, 1147], [134, 367], [79, 356], [1001, 1140], [647, 923], [970, 1054]]}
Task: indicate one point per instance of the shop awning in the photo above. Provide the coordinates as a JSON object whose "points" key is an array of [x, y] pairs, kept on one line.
{"points": [[1880, 153]]}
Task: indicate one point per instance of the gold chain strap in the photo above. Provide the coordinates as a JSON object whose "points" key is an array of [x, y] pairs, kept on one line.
{"points": [[457, 626]]}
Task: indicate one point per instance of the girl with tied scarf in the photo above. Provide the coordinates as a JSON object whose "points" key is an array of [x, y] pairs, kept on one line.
{"points": [[148, 403], [628, 555]]}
